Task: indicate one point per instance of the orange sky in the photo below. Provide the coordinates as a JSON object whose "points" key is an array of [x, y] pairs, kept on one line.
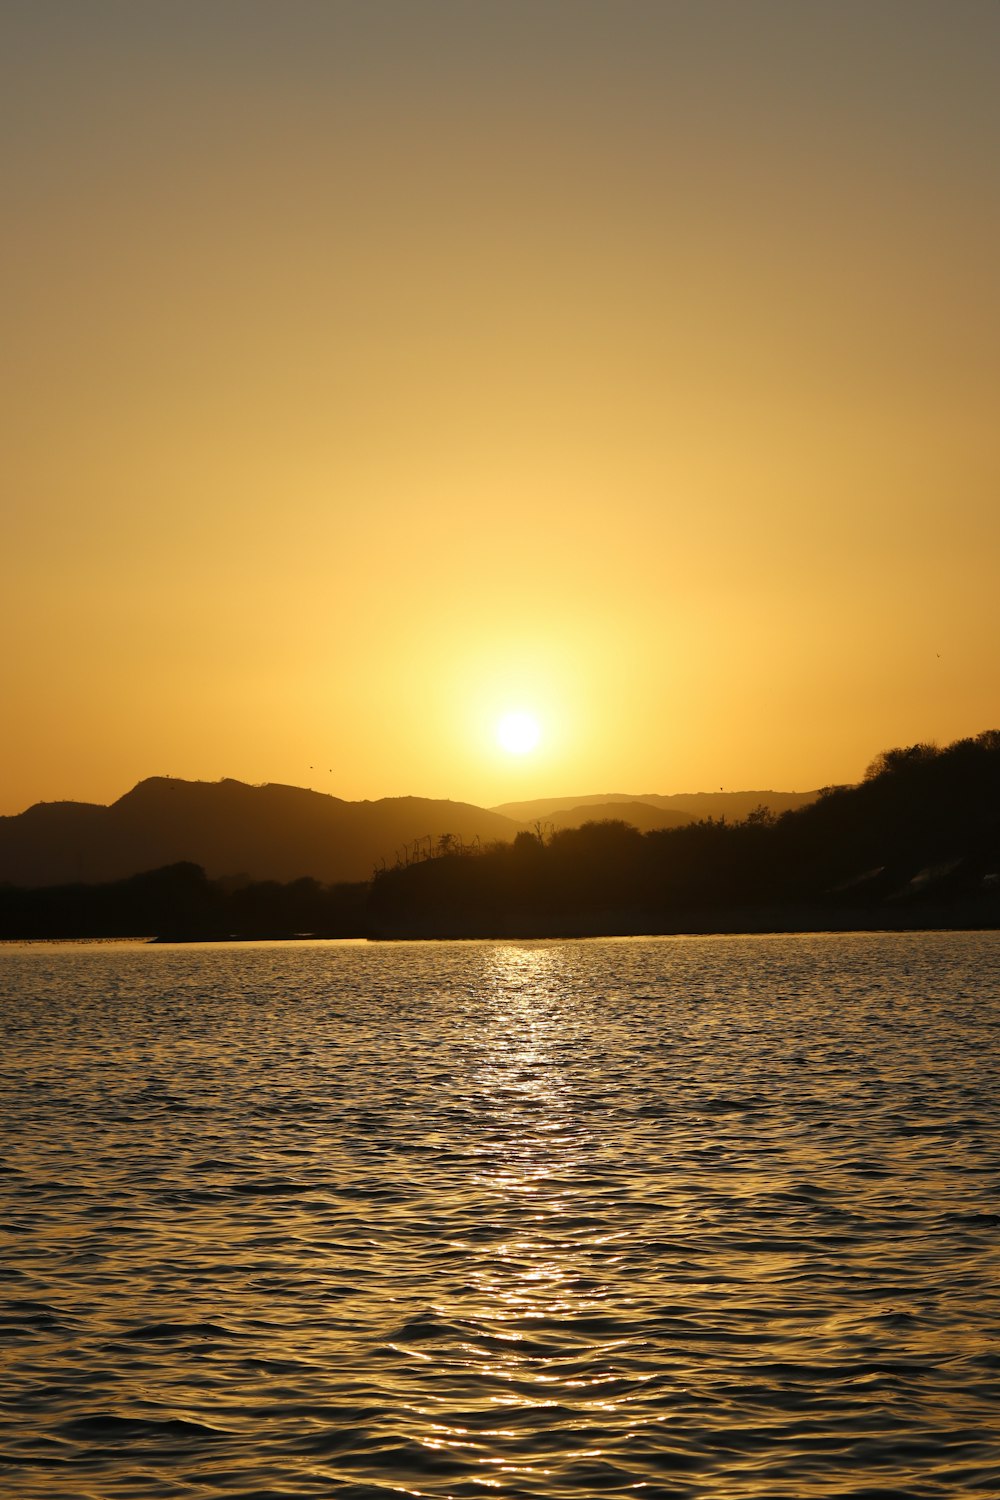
{"points": [[373, 368]]}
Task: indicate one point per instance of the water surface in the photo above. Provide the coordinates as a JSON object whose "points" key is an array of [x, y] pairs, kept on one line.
{"points": [[673, 1217]]}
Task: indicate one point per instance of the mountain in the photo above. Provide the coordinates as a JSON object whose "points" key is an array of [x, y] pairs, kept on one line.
{"points": [[697, 805], [642, 815], [276, 832], [265, 832], [915, 844]]}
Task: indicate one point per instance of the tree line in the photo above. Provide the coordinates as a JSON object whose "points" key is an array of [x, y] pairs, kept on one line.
{"points": [[917, 839]]}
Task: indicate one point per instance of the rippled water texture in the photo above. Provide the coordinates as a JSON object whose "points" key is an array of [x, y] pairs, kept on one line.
{"points": [[682, 1217]]}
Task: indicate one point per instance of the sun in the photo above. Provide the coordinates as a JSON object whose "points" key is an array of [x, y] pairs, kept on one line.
{"points": [[518, 733]]}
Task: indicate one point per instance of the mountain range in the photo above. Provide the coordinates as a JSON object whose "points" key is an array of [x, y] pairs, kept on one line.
{"points": [[276, 832], [689, 806]]}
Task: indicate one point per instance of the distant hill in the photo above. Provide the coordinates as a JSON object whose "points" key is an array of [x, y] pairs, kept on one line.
{"points": [[641, 815], [697, 805], [915, 844], [281, 833], [264, 832]]}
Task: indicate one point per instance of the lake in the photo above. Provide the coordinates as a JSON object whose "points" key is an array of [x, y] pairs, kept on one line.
{"points": [[674, 1217]]}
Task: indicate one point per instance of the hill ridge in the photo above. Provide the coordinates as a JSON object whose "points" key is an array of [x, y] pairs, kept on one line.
{"points": [[734, 804], [270, 830], [229, 827]]}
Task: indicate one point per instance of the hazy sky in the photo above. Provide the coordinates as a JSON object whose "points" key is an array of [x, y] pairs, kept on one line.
{"points": [[374, 367]]}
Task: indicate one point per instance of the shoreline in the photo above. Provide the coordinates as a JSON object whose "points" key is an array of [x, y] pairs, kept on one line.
{"points": [[981, 915], [701, 924]]}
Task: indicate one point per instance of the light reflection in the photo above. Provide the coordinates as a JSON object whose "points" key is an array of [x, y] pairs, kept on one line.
{"points": [[528, 1336], [537, 1276]]}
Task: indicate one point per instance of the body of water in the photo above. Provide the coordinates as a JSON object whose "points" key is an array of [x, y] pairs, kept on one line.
{"points": [[674, 1217]]}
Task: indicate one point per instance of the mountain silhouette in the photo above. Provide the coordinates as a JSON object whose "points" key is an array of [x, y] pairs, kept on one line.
{"points": [[641, 815], [276, 832], [915, 844], [697, 805], [270, 832]]}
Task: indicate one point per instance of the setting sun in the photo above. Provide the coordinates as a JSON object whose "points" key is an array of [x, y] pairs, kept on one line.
{"points": [[518, 733]]}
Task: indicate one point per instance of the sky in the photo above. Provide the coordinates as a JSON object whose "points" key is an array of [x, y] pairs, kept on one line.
{"points": [[375, 368]]}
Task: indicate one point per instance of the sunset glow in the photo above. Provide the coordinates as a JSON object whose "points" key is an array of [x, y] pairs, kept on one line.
{"points": [[360, 356]]}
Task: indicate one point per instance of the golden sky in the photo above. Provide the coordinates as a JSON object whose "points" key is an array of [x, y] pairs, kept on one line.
{"points": [[372, 368]]}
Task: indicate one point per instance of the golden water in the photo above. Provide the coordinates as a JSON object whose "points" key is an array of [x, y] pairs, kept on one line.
{"points": [[672, 1217]]}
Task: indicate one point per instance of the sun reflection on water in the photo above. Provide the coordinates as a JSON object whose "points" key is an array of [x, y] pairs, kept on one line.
{"points": [[533, 1271]]}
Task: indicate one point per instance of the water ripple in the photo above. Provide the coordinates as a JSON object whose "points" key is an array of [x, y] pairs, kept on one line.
{"points": [[683, 1218]]}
